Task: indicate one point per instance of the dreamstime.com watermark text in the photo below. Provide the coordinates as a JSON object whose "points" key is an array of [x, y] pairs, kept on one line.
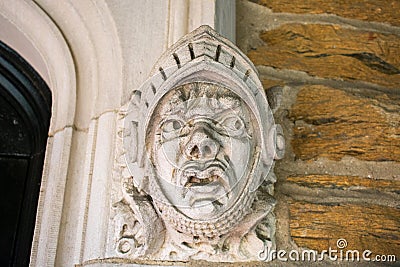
{"points": [[338, 254]]}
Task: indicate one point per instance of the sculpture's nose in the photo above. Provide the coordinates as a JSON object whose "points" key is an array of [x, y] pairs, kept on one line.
{"points": [[201, 145]]}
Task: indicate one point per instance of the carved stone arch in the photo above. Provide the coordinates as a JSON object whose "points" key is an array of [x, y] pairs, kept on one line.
{"points": [[50, 56], [90, 32], [81, 62], [93, 41], [28, 30]]}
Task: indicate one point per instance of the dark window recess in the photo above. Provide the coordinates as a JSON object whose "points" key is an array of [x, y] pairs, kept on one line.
{"points": [[25, 110]]}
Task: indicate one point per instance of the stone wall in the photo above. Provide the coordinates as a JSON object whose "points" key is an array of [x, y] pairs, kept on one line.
{"points": [[334, 68]]}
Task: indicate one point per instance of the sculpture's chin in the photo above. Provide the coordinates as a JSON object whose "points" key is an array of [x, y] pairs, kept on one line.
{"points": [[206, 219], [205, 201], [202, 209]]}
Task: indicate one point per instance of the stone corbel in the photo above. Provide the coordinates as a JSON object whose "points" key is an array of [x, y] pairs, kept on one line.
{"points": [[199, 142]]}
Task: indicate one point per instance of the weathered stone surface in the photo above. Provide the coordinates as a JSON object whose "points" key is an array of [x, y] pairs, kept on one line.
{"points": [[319, 226], [269, 83], [370, 10], [197, 148], [330, 51], [345, 183], [332, 123]]}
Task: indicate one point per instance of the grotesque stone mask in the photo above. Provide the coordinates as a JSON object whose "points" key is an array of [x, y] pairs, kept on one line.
{"points": [[200, 143], [196, 129]]}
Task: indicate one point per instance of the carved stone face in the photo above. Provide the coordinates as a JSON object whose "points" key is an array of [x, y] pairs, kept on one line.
{"points": [[201, 146]]}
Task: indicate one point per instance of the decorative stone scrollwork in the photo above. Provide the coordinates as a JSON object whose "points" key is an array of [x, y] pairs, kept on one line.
{"points": [[199, 141]]}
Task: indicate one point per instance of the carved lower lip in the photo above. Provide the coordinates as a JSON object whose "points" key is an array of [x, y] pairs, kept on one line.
{"points": [[205, 189], [213, 192], [209, 189]]}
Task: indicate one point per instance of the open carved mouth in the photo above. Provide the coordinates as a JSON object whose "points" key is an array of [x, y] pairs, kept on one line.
{"points": [[193, 177], [205, 185], [197, 181]]}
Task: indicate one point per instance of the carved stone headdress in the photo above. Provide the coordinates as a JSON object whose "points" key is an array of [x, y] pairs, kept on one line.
{"points": [[205, 56]]}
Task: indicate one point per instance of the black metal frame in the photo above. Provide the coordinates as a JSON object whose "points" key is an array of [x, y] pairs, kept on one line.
{"points": [[24, 90]]}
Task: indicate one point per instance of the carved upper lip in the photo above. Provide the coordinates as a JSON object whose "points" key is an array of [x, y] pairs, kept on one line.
{"points": [[195, 174]]}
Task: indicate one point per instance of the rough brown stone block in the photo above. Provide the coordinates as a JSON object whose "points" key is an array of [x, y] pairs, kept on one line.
{"points": [[319, 226], [269, 83], [330, 51], [345, 182], [370, 10], [332, 123]]}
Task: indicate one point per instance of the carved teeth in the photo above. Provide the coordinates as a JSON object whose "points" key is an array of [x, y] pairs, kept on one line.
{"points": [[190, 173], [195, 180]]}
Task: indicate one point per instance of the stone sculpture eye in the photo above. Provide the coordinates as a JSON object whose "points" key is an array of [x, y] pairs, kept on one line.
{"points": [[234, 125], [171, 128]]}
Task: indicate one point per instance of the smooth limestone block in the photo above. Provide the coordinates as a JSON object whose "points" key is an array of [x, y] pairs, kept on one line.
{"points": [[385, 11], [331, 51]]}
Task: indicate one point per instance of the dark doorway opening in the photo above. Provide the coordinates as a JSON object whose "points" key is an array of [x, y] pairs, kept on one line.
{"points": [[25, 110]]}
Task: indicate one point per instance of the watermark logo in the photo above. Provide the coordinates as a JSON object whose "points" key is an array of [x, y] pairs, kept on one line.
{"points": [[340, 253], [341, 243]]}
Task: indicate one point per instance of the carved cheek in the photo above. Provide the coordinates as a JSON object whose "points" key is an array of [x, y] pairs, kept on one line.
{"points": [[240, 157], [166, 159]]}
